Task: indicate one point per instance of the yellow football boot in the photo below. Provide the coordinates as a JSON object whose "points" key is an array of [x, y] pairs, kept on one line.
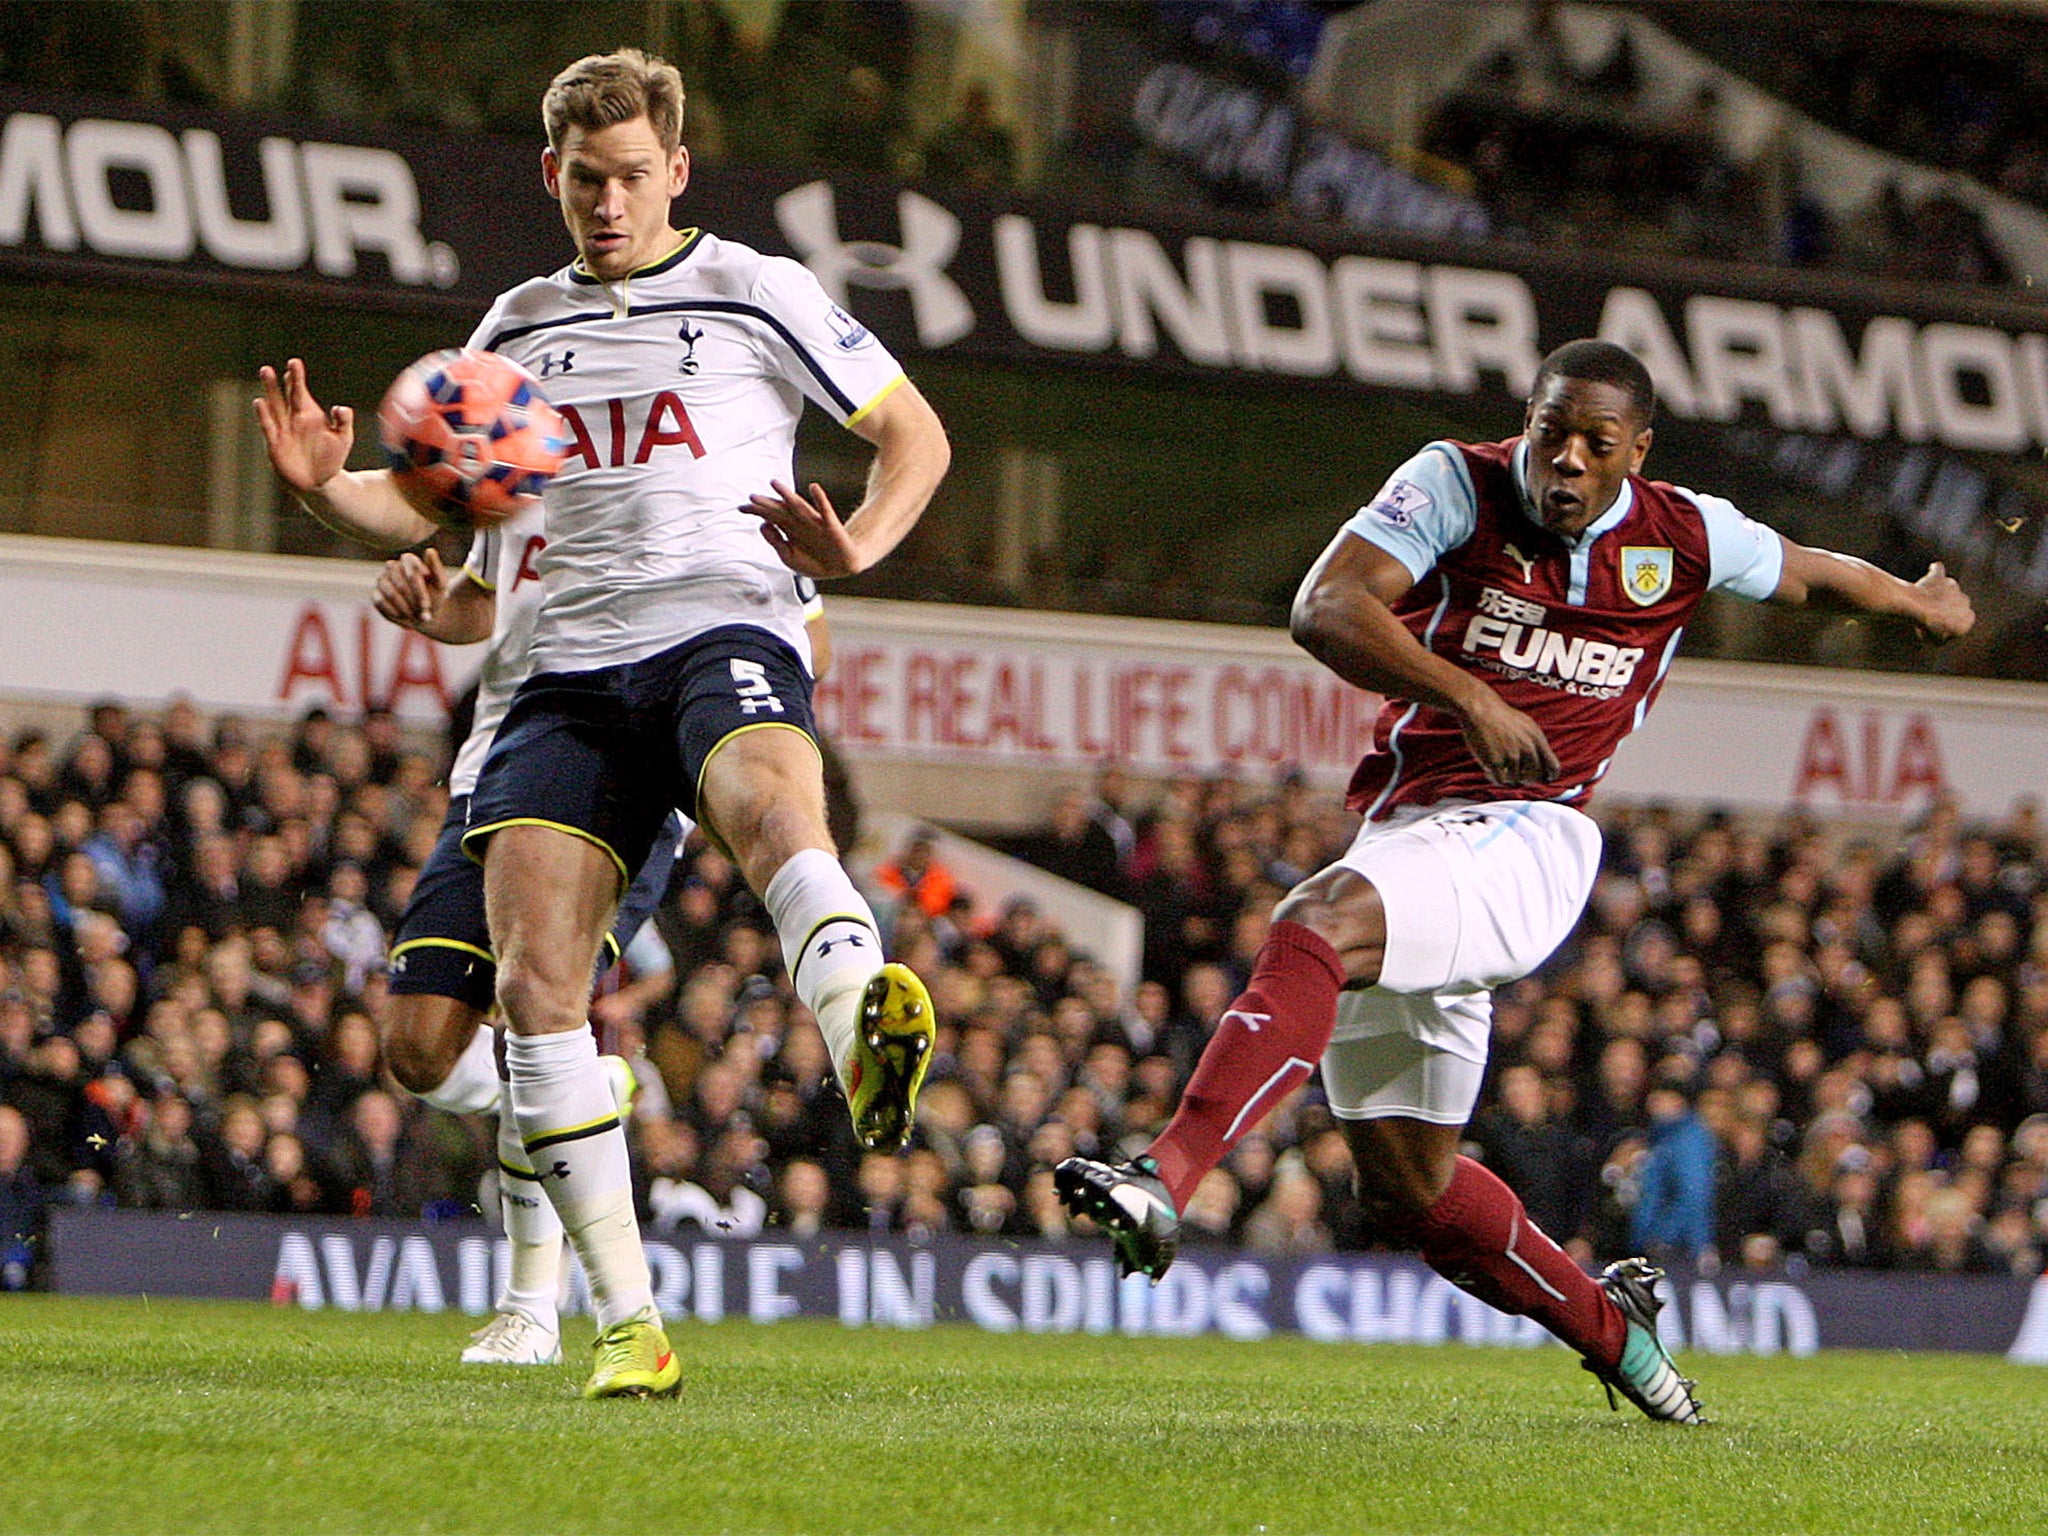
{"points": [[634, 1360], [892, 1050]]}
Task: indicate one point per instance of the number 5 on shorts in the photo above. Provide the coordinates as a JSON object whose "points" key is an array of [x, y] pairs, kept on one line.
{"points": [[755, 691]]}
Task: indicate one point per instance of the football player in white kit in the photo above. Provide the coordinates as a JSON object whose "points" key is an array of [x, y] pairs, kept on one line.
{"points": [[436, 1041], [670, 663]]}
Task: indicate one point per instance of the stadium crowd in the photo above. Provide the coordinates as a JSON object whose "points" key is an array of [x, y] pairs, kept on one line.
{"points": [[1767, 1043], [1959, 90]]}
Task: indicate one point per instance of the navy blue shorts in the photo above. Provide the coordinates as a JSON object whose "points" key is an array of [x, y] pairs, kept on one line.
{"points": [[604, 754], [443, 945]]}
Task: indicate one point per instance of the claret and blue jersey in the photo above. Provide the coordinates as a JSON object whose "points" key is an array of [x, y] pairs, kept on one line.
{"points": [[1576, 633]]}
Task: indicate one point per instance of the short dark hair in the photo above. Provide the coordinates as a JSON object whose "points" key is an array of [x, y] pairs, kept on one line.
{"points": [[1600, 362]]}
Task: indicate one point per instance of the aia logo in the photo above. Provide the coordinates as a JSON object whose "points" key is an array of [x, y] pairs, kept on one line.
{"points": [[549, 365], [665, 424], [528, 569], [689, 338]]}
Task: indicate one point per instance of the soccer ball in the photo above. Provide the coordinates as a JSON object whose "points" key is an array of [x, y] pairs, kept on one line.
{"points": [[470, 437]]}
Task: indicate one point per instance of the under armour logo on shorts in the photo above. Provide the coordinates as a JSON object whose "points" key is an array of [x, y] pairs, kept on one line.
{"points": [[826, 946]]}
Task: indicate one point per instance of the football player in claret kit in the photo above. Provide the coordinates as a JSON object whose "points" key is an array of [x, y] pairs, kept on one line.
{"points": [[1518, 605]]}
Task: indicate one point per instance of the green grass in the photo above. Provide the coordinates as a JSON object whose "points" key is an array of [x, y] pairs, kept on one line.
{"points": [[185, 1416]]}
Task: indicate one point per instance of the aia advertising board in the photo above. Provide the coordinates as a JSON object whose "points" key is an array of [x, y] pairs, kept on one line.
{"points": [[272, 635]]}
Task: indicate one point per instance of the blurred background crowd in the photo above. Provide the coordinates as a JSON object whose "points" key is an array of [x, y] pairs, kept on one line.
{"points": [[1769, 1041]]}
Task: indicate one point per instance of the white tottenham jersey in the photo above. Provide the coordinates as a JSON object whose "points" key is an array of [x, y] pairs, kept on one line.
{"points": [[682, 385], [505, 561]]}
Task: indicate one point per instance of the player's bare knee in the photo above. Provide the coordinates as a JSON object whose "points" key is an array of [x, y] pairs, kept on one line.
{"points": [[1342, 908], [419, 1064], [1397, 1191], [769, 830], [540, 999]]}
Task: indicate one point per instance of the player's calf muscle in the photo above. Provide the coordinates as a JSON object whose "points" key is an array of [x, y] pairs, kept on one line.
{"points": [[424, 1036], [1403, 1166]]}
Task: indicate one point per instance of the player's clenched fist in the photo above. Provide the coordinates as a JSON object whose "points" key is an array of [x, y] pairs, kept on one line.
{"points": [[1510, 746], [410, 588], [1945, 610]]}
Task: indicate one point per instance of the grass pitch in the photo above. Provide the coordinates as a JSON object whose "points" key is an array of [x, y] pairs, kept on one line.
{"points": [[186, 1416]]}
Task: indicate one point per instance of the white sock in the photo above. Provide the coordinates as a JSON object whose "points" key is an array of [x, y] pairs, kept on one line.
{"points": [[472, 1088], [829, 942], [532, 1228], [569, 1124]]}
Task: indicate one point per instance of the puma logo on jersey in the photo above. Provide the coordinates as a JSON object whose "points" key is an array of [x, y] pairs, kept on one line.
{"points": [[1527, 563], [1538, 652], [1251, 1021]]}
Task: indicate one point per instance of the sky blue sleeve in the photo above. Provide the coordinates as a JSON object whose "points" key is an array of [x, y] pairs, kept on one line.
{"points": [[1746, 557], [1425, 510]]}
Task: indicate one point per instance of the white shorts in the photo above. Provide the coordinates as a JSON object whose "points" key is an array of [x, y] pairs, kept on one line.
{"points": [[1476, 896]]}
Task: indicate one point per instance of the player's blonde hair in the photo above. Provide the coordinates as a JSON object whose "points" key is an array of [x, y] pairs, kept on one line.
{"points": [[601, 89]]}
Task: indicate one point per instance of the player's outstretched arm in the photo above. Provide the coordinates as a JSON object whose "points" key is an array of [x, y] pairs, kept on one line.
{"points": [[911, 457], [415, 592], [1935, 603], [309, 448], [1343, 616]]}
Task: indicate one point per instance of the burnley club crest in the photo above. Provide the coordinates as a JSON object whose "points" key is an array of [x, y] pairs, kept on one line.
{"points": [[1645, 574]]}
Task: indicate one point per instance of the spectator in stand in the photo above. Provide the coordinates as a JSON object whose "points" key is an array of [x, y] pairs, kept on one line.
{"points": [[862, 128], [803, 1198], [972, 149], [1674, 1213], [1537, 1155], [235, 1176], [160, 1165], [1076, 847], [917, 877], [1289, 1220], [1760, 1204]]}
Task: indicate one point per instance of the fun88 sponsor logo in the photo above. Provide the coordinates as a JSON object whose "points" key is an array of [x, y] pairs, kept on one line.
{"points": [[1520, 646]]}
